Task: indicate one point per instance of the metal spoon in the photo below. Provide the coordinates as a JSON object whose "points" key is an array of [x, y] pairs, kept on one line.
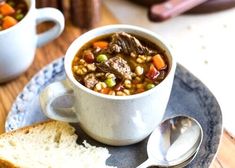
{"points": [[175, 142]]}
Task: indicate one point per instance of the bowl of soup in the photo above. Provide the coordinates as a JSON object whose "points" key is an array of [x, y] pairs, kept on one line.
{"points": [[19, 37], [119, 80], [12, 12], [120, 64]]}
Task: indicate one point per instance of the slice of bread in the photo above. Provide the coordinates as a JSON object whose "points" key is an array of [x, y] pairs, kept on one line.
{"points": [[49, 144]]}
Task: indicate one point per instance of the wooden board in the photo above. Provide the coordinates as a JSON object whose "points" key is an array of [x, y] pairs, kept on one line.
{"points": [[57, 48]]}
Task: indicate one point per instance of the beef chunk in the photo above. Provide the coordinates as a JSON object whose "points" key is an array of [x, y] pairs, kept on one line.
{"points": [[88, 56], [123, 42], [115, 47], [118, 66], [90, 80]]}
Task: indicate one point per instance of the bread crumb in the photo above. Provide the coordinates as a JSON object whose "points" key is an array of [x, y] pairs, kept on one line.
{"points": [[12, 143]]}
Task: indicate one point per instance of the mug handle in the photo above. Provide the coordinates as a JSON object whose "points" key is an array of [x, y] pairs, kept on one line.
{"points": [[49, 14], [50, 94]]}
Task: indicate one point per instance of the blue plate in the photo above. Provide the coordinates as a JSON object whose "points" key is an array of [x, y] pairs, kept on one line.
{"points": [[189, 97]]}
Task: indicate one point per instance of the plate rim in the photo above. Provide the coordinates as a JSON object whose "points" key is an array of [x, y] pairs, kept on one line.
{"points": [[60, 61]]}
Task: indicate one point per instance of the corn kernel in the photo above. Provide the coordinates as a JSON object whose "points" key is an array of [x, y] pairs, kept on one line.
{"points": [[139, 86], [120, 93], [127, 83], [139, 60], [103, 85], [82, 61], [143, 57], [133, 55], [79, 72], [149, 58], [91, 67], [112, 93], [138, 79], [139, 70], [99, 74], [126, 91], [75, 68], [98, 86], [110, 75]]}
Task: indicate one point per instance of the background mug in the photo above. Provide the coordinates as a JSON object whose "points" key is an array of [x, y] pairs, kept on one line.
{"points": [[19, 43], [113, 120]]}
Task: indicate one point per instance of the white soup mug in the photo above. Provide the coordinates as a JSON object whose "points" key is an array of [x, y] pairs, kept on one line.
{"points": [[113, 120], [19, 42]]}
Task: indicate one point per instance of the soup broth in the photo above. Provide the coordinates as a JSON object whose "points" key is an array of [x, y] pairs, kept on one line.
{"points": [[120, 64], [11, 12]]}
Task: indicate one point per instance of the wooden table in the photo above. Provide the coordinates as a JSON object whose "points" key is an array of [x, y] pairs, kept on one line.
{"points": [[57, 48]]}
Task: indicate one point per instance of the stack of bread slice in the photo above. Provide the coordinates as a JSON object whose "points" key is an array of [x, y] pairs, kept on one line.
{"points": [[49, 144]]}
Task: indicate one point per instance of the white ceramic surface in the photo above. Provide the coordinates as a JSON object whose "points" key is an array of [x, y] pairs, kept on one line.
{"points": [[18, 43], [189, 96], [114, 120]]}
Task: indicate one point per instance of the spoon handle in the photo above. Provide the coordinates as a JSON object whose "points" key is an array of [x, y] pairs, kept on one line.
{"points": [[146, 164], [171, 8]]}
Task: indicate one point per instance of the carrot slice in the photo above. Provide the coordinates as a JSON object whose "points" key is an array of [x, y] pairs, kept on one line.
{"points": [[8, 21], [105, 90], [6, 9], [152, 73], [158, 62], [2, 3], [140, 90], [100, 44]]}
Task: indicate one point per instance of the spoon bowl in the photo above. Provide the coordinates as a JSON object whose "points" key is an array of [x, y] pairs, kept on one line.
{"points": [[175, 142]]}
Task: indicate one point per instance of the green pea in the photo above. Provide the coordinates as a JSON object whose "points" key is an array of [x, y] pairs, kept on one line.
{"points": [[150, 86], [110, 82], [101, 58], [19, 16]]}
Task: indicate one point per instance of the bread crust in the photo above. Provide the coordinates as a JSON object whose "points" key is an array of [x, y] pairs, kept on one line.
{"points": [[26, 128], [6, 164], [55, 136]]}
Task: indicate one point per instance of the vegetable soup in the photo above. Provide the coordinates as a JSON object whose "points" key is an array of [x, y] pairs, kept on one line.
{"points": [[120, 64], [11, 12]]}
